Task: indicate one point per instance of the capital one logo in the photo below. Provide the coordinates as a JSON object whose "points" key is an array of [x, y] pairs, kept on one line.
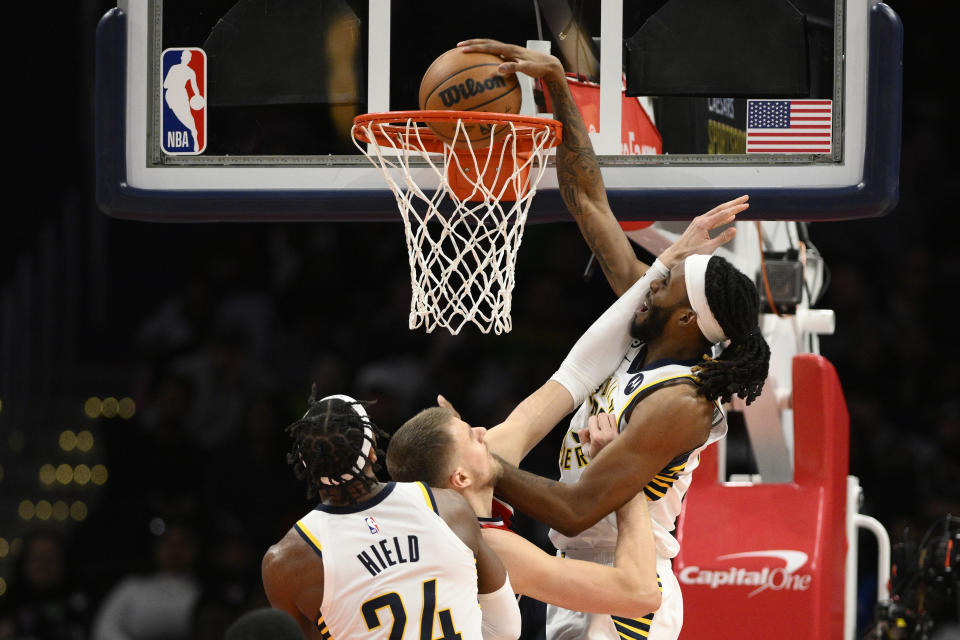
{"points": [[774, 578]]}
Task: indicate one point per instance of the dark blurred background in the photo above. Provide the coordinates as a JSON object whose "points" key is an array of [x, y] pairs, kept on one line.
{"points": [[147, 370]]}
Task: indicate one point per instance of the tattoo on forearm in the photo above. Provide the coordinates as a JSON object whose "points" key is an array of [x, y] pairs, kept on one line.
{"points": [[576, 162], [578, 172]]}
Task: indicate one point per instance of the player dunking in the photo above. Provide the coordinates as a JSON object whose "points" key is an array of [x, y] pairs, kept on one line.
{"points": [[374, 557], [439, 448], [665, 391]]}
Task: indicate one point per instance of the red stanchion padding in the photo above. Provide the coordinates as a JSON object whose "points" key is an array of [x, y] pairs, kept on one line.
{"points": [[767, 560]]}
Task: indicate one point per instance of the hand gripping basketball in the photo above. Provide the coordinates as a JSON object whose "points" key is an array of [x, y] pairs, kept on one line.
{"points": [[197, 102], [532, 63], [461, 81]]}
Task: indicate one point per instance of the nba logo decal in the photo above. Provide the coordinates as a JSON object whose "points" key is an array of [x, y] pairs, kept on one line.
{"points": [[184, 130], [372, 524]]}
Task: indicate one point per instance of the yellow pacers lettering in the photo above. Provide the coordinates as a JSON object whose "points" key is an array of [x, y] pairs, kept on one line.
{"points": [[577, 455], [581, 459]]}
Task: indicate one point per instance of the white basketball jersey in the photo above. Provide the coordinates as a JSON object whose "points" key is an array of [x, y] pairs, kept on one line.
{"points": [[392, 569], [618, 395]]}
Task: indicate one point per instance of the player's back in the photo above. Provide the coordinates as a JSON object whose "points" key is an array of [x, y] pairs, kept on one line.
{"points": [[392, 569]]}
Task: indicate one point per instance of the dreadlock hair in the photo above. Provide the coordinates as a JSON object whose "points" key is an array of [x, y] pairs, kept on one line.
{"points": [[742, 367], [328, 443]]}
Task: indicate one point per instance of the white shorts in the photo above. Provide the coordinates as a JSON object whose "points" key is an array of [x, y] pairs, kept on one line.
{"points": [[663, 624]]}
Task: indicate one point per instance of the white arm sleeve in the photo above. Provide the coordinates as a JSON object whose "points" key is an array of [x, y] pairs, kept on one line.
{"points": [[501, 613], [598, 352]]}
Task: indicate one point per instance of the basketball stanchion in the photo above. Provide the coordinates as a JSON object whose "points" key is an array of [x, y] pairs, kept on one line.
{"points": [[462, 239]]}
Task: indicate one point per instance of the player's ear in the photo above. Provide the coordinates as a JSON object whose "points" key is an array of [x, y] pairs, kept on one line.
{"points": [[373, 454], [459, 480], [687, 318]]}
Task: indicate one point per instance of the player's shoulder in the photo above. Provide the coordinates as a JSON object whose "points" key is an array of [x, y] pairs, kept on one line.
{"points": [[459, 516], [290, 548], [683, 392], [677, 403], [289, 555], [688, 398], [293, 575], [451, 504]]}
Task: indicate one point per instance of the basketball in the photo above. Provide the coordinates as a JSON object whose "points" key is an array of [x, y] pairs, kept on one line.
{"points": [[458, 81], [196, 102]]}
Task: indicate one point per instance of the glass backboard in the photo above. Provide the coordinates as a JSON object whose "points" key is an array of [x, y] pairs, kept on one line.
{"points": [[690, 102]]}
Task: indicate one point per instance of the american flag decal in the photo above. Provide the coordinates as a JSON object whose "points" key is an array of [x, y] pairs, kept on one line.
{"points": [[789, 126]]}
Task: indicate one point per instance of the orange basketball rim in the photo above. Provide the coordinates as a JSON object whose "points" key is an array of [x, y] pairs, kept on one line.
{"points": [[494, 164]]}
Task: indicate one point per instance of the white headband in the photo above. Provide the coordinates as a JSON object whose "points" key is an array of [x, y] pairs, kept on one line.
{"points": [[367, 438], [695, 274]]}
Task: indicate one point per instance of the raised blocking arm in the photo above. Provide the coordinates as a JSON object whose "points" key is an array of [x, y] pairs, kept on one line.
{"points": [[590, 361]]}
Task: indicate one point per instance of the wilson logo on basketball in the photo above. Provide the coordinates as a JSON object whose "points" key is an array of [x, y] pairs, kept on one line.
{"points": [[469, 88]]}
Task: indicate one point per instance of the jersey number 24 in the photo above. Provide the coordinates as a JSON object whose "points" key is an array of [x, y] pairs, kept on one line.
{"points": [[399, 613]]}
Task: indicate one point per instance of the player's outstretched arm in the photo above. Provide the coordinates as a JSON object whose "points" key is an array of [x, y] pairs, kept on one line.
{"points": [[674, 420], [501, 615], [578, 172], [598, 352], [629, 588]]}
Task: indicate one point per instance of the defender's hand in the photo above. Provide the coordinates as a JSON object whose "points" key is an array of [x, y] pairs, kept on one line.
{"points": [[443, 402], [532, 63], [696, 237], [601, 431]]}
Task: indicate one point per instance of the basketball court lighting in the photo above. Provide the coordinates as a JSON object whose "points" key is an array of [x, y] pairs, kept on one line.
{"points": [[92, 407]]}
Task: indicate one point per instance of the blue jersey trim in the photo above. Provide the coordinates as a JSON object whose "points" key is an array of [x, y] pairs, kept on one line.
{"points": [[360, 506]]}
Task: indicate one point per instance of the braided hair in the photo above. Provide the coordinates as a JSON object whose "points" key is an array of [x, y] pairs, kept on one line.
{"points": [[328, 443], [742, 367]]}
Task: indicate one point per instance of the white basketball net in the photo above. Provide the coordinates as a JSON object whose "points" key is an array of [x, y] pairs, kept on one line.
{"points": [[462, 252]]}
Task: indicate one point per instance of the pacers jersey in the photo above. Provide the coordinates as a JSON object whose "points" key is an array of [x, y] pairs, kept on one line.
{"points": [[392, 569], [618, 395]]}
